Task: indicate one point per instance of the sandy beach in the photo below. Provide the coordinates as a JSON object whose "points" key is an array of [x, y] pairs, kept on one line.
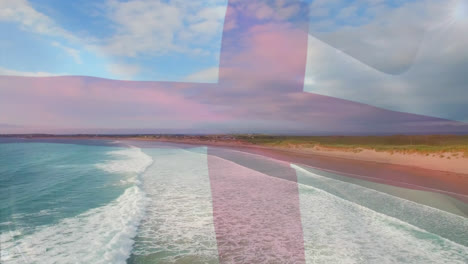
{"points": [[433, 173], [447, 162], [452, 162], [447, 191], [411, 171]]}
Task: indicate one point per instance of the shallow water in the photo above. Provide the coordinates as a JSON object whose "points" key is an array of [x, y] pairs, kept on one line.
{"points": [[66, 203]]}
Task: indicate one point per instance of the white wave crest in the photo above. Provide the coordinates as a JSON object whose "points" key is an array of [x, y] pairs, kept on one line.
{"points": [[338, 230], [126, 161], [100, 235]]}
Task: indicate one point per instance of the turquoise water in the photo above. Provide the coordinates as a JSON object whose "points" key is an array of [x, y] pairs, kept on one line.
{"points": [[52, 182], [56, 199]]}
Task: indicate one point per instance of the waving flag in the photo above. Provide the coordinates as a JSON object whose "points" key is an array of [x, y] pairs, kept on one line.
{"points": [[290, 67]]}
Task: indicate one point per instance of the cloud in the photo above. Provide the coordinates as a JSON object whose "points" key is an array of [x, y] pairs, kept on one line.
{"points": [[22, 13], [434, 85], [385, 37], [260, 89], [74, 53], [9, 72], [209, 75], [155, 28], [124, 71], [269, 10], [137, 30]]}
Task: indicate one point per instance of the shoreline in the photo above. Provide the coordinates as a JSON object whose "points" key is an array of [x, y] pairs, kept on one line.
{"points": [[453, 162], [389, 172], [449, 183]]}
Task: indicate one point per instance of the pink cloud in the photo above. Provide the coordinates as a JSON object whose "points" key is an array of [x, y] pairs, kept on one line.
{"points": [[261, 77]]}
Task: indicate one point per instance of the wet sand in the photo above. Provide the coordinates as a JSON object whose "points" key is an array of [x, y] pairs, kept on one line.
{"points": [[449, 183], [444, 182], [451, 162], [448, 162], [454, 203]]}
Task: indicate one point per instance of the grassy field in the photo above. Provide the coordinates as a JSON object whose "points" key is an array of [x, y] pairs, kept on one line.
{"points": [[396, 143]]}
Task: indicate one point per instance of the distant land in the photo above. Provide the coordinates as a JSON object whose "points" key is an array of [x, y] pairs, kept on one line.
{"points": [[436, 152]]}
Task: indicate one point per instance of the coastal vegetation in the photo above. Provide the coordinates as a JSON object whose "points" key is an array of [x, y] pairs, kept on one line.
{"points": [[396, 143]]}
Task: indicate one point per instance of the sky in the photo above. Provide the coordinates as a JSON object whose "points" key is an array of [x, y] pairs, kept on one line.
{"points": [[406, 56], [125, 40], [279, 66]]}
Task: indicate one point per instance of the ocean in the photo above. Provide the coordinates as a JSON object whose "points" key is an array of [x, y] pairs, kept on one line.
{"points": [[119, 202], [63, 203]]}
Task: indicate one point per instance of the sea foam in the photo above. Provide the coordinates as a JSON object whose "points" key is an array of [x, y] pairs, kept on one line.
{"points": [[178, 224], [100, 235], [125, 161], [338, 230]]}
